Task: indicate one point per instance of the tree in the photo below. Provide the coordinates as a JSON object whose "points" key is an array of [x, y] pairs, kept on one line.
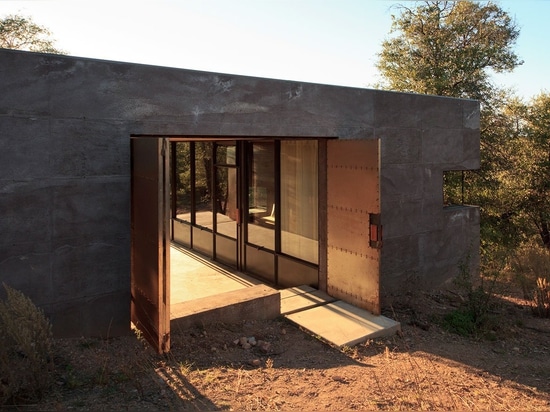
{"points": [[448, 48], [451, 49], [535, 169], [517, 162], [21, 33]]}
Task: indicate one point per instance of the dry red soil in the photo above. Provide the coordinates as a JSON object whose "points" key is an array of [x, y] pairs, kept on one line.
{"points": [[424, 367]]}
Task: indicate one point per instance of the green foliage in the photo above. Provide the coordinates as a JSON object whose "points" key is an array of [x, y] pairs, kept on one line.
{"points": [[21, 33], [450, 49], [201, 155], [472, 317], [462, 322], [26, 361], [447, 48], [513, 185]]}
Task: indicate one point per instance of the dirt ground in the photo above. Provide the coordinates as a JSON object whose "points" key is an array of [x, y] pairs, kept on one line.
{"points": [[424, 367]]}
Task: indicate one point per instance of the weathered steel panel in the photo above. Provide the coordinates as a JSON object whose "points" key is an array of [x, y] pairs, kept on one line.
{"points": [[353, 266], [150, 229]]}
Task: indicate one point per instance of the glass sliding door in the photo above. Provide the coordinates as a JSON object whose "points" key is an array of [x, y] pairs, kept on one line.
{"points": [[261, 195], [299, 199], [182, 180], [250, 204], [203, 215], [262, 210], [226, 190], [226, 204], [182, 191]]}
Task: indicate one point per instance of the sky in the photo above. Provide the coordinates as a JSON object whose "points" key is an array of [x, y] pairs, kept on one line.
{"points": [[319, 41]]}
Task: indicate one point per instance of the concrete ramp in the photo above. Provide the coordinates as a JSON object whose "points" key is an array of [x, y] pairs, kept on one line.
{"points": [[336, 322]]}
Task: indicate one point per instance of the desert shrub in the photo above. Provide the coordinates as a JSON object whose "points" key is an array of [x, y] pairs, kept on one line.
{"points": [[529, 263], [460, 321], [530, 269], [477, 292], [541, 298], [26, 361]]}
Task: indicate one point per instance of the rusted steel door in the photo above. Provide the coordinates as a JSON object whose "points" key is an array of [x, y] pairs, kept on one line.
{"points": [[150, 240], [353, 222]]}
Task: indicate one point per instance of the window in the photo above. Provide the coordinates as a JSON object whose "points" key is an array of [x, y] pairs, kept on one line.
{"points": [[453, 188]]}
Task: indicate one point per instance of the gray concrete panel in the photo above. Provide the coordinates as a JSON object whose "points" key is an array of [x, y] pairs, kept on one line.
{"points": [[106, 154], [88, 211], [471, 115], [399, 146], [440, 113], [89, 270], [443, 147], [24, 148], [472, 156], [397, 110], [411, 217], [28, 270], [23, 90], [399, 255], [26, 214], [106, 315], [401, 183]]}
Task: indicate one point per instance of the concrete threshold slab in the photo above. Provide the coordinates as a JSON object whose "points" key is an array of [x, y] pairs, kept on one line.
{"points": [[343, 324], [259, 302], [301, 298]]}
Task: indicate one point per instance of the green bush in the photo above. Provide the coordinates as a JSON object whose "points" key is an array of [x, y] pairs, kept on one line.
{"points": [[472, 317], [461, 322], [26, 360]]}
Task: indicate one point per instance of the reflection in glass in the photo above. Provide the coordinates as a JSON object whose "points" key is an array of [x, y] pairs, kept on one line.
{"points": [[225, 153], [183, 181], [203, 177], [226, 201], [299, 199], [261, 195]]}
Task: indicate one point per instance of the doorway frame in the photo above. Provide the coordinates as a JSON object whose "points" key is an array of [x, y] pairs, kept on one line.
{"points": [[326, 173]]}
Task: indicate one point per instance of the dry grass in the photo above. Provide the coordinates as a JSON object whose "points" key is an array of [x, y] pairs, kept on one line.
{"points": [[422, 368], [26, 357], [530, 269], [416, 370]]}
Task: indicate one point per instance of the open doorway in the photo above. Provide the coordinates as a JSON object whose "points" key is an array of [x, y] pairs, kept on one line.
{"points": [[261, 207], [248, 205]]}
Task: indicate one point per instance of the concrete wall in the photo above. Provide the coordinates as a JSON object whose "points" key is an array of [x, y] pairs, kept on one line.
{"points": [[65, 125], [424, 242]]}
